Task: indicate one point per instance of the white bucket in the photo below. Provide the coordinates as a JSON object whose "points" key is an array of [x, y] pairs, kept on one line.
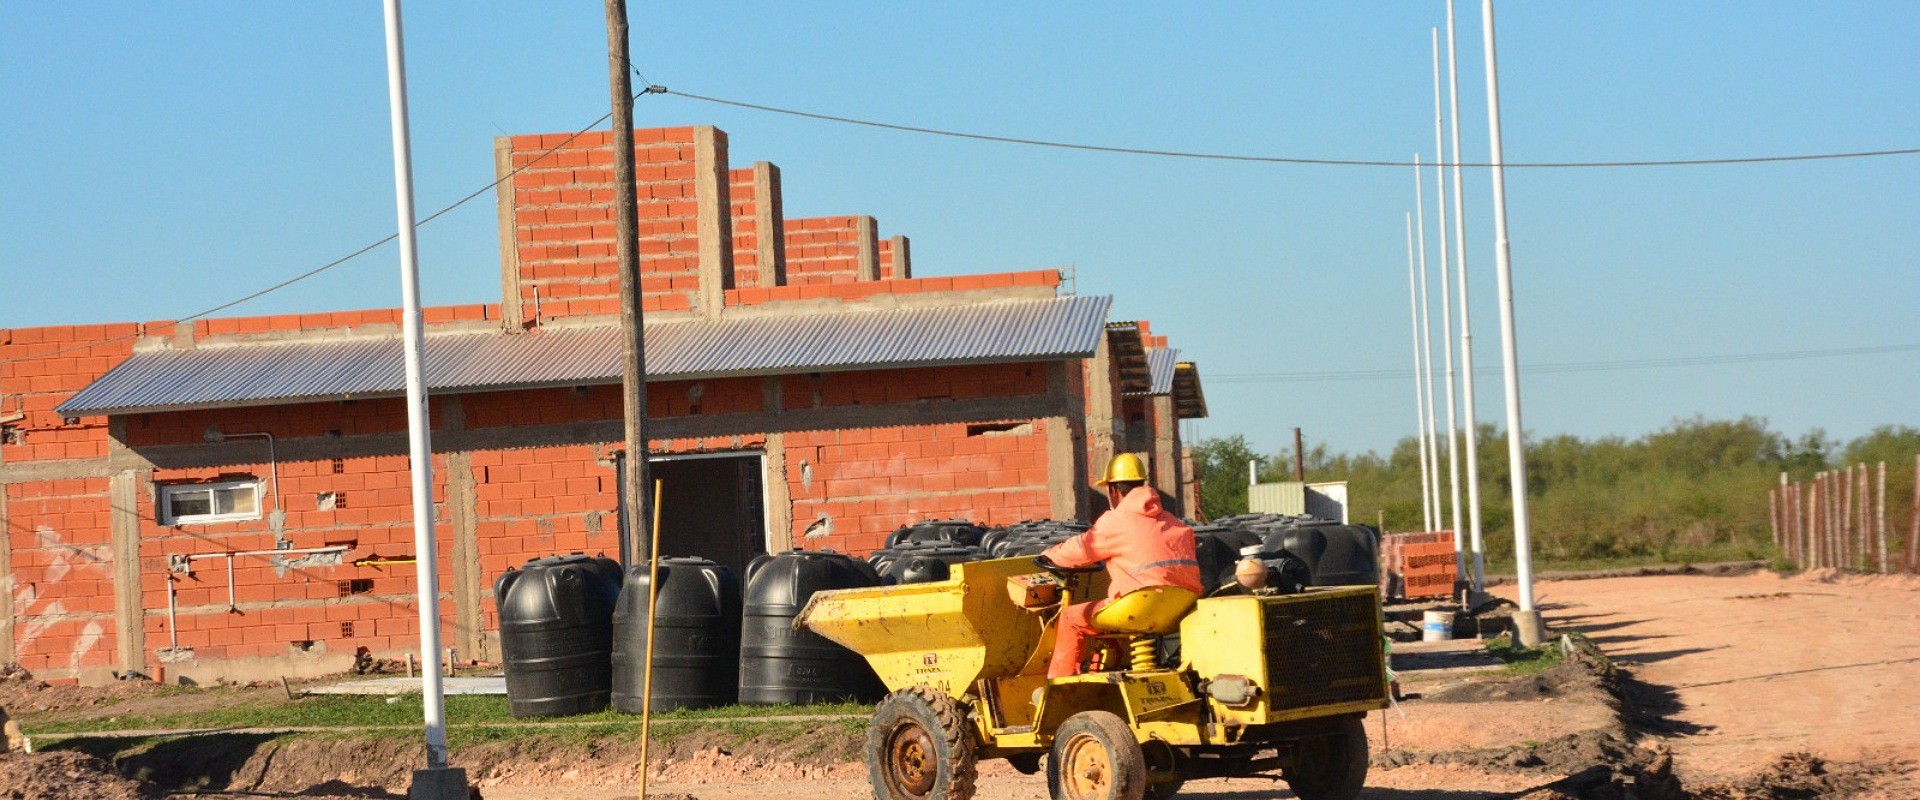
{"points": [[1436, 626]]}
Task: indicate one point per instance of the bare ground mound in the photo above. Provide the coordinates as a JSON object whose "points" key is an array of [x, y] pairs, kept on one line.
{"points": [[64, 776]]}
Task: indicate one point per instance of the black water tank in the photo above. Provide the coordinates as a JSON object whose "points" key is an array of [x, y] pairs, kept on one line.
{"points": [[696, 630], [556, 634], [783, 665], [1336, 555], [1217, 558], [923, 564]]}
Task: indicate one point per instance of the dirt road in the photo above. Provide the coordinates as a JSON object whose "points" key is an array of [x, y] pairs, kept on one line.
{"points": [[1758, 665]]}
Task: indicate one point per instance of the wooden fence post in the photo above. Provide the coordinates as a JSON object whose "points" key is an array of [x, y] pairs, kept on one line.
{"points": [[1913, 535], [1880, 518]]}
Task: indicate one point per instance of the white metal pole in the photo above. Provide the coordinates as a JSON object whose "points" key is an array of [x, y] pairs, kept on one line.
{"points": [[1419, 396], [1471, 421], [1446, 324], [1253, 471], [419, 450], [1426, 345], [1509, 348]]}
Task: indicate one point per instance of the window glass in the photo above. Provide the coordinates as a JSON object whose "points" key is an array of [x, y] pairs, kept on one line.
{"points": [[192, 503], [209, 502]]}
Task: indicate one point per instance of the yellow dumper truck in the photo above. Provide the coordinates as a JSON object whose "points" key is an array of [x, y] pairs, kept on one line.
{"points": [[1257, 684]]}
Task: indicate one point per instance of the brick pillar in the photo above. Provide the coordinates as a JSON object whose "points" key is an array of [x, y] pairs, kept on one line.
{"points": [[867, 239]]}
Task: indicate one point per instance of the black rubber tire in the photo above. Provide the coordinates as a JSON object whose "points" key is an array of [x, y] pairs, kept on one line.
{"points": [[1336, 765], [1095, 757], [920, 747]]}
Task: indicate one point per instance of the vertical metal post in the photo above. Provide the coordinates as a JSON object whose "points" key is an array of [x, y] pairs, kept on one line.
{"points": [[419, 448], [1446, 323], [1470, 418], [633, 364], [1426, 347], [1509, 346], [1419, 394]]}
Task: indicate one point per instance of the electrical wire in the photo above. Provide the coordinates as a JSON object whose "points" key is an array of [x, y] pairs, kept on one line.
{"points": [[343, 259], [1325, 162], [1567, 367]]}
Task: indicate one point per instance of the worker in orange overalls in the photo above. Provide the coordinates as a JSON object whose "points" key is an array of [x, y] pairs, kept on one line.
{"points": [[1142, 544]]}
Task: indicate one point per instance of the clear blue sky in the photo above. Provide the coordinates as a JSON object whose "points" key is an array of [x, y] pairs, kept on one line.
{"points": [[161, 158]]}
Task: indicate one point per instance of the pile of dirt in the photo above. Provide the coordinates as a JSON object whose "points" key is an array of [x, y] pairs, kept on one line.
{"points": [[22, 693], [1795, 776], [64, 776], [1584, 673], [241, 762]]}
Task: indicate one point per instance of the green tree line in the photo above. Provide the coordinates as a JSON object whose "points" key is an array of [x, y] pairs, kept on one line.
{"points": [[1695, 490]]}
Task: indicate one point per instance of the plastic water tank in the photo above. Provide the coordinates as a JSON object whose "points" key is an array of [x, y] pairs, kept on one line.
{"points": [[556, 634], [696, 631], [782, 665]]}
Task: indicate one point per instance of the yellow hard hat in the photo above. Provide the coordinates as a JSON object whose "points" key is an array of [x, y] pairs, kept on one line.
{"points": [[1124, 468]]}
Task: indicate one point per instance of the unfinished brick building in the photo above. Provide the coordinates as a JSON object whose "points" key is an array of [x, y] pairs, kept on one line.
{"points": [[228, 498]]}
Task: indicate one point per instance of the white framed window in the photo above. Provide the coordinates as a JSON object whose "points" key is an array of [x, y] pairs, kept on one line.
{"points": [[193, 503]]}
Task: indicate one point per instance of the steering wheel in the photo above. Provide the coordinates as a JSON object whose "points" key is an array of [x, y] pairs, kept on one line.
{"points": [[1056, 570]]}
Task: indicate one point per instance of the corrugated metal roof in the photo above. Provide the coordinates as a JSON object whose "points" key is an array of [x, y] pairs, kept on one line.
{"points": [[1189, 401], [292, 372], [1160, 361]]}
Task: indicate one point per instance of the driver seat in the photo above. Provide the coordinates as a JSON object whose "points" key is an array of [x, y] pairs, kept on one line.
{"points": [[1141, 616]]}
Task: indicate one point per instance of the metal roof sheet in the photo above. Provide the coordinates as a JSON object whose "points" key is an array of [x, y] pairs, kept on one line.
{"points": [[1160, 361], [306, 371]]}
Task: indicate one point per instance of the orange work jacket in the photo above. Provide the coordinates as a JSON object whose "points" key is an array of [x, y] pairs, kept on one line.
{"points": [[1142, 544]]}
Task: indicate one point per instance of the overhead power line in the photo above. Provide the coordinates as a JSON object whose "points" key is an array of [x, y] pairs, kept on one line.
{"points": [[341, 260], [1567, 367], [1325, 162]]}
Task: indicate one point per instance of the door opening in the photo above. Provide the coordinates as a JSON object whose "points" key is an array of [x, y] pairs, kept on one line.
{"points": [[711, 506]]}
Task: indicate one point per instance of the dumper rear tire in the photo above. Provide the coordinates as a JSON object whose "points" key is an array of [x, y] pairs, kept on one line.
{"points": [[1095, 757], [920, 747], [1332, 767]]}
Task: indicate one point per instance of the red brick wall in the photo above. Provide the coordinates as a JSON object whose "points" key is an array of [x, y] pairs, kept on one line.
{"points": [[373, 514], [563, 228], [40, 368], [746, 240], [62, 574], [528, 502], [896, 258], [826, 250], [850, 488]]}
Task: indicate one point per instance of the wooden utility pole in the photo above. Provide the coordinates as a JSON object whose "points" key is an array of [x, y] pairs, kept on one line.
{"points": [[634, 539], [1299, 457]]}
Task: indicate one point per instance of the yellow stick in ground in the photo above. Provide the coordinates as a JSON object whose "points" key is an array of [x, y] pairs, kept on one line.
{"points": [[646, 687]]}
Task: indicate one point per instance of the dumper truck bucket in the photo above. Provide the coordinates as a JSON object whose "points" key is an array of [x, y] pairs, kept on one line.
{"points": [[945, 634]]}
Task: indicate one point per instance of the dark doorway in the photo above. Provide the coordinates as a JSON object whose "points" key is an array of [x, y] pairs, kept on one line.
{"points": [[711, 507]]}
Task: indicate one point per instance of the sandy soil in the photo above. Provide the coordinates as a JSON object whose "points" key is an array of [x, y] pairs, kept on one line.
{"points": [[1759, 666]]}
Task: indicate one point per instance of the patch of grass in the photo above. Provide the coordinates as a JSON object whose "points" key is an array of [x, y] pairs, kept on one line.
{"points": [[1524, 660], [364, 711]]}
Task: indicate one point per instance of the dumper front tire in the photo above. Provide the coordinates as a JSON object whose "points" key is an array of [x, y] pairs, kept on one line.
{"points": [[920, 747], [1095, 757], [1332, 767]]}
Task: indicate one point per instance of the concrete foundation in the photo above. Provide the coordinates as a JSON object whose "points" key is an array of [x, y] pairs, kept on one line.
{"points": [[1527, 629], [445, 783]]}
